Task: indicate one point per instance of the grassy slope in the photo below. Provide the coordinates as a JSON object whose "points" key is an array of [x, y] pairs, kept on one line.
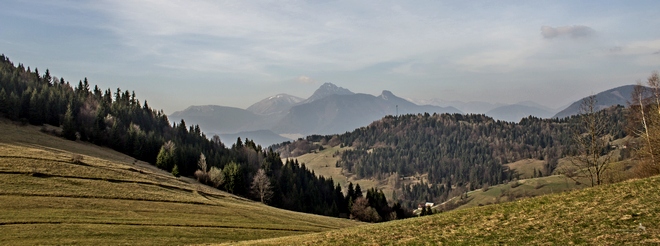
{"points": [[526, 167], [110, 198], [323, 163], [518, 189], [610, 214]]}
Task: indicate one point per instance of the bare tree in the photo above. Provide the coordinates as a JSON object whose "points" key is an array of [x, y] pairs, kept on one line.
{"points": [[646, 113], [261, 185], [363, 212], [202, 163], [202, 173], [592, 140]]}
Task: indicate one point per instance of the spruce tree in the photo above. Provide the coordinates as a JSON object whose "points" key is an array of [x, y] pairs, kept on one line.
{"points": [[69, 124], [4, 102]]}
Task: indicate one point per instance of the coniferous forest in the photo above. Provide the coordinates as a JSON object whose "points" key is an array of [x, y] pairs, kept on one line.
{"points": [[118, 120], [458, 152]]}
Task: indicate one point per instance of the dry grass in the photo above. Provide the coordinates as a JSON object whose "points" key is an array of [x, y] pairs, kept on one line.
{"points": [[522, 189], [323, 164], [606, 215], [526, 167], [62, 192]]}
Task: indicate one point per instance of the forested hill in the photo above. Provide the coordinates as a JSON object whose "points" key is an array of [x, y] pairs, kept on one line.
{"points": [[472, 147], [120, 121], [459, 151]]}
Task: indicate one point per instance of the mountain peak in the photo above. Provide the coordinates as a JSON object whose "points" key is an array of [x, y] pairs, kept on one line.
{"points": [[274, 104], [387, 94], [328, 89]]}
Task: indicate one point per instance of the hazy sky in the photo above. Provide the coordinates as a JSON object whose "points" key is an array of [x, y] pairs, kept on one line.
{"points": [[234, 53]]}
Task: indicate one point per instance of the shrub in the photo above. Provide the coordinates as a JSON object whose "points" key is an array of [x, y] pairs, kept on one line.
{"points": [[201, 176], [363, 212], [175, 171], [215, 176]]}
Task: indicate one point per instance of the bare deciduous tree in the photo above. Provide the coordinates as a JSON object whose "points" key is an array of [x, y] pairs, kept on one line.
{"points": [[261, 185], [363, 212], [202, 173], [202, 163], [592, 140], [646, 113]]}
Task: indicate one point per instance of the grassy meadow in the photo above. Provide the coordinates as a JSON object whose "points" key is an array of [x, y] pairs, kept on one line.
{"points": [[613, 214], [56, 191]]}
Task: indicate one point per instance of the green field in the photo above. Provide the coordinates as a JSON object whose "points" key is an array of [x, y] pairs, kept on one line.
{"points": [[606, 215], [513, 191], [56, 191]]}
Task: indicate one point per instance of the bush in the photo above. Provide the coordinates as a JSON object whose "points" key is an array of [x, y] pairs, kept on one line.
{"points": [[175, 171], [201, 176], [215, 176], [363, 212]]}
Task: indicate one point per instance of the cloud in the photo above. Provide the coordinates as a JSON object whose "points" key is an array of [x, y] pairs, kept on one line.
{"points": [[305, 80], [576, 31]]}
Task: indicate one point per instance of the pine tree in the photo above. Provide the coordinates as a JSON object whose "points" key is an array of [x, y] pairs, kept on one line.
{"points": [[232, 173], [175, 171], [165, 159], [69, 124], [358, 192], [4, 102]]}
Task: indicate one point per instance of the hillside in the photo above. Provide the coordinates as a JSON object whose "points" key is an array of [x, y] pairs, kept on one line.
{"points": [[56, 191], [621, 213], [616, 96], [124, 123], [451, 154]]}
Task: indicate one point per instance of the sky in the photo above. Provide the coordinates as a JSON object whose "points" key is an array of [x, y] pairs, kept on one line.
{"points": [[177, 53]]}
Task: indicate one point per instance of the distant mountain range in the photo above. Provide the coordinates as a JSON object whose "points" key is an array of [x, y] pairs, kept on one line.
{"points": [[617, 96], [338, 113], [472, 107], [332, 109], [220, 119], [515, 112]]}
